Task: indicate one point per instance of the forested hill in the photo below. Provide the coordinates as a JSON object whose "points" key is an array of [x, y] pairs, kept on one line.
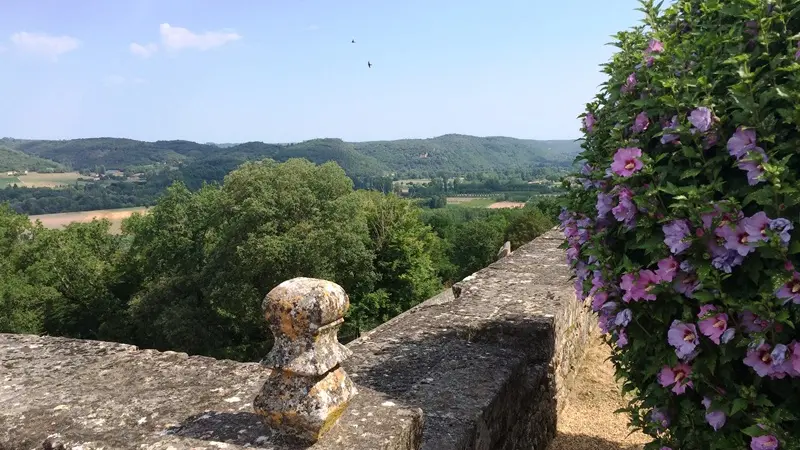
{"points": [[450, 153]]}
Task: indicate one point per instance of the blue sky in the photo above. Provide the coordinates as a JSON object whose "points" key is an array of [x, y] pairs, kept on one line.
{"points": [[285, 70]]}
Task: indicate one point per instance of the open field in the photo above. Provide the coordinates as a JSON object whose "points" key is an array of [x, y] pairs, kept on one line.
{"points": [[414, 181], [8, 181], [50, 180], [116, 216], [471, 202], [497, 205]]}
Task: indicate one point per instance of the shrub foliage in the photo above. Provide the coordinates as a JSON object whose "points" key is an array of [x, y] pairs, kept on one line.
{"points": [[680, 226]]}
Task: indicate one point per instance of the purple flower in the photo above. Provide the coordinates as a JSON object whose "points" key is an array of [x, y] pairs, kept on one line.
{"points": [[630, 83], [683, 337], [686, 284], [572, 254], [660, 418], [701, 119], [638, 287], [605, 202], [727, 335], [752, 323], [588, 122], [752, 163], [675, 234], [677, 377], [760, 359], [751, 27], [686, 266], [641, 122], [756, 227], [598, 300], [783, 227], [723, 258], [625, 211], [667, 269], [670, 126], [713, 325], [654, 46], [622, 338], [649, 61], [626, 161], [791, 290], [736, 239], [742, 141], [767, 442], [623, 318], [714, 418]]}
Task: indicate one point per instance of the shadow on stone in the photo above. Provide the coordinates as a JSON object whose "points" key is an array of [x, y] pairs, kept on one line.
{"points": [[242, 428], [582, 442], [481, 383]]}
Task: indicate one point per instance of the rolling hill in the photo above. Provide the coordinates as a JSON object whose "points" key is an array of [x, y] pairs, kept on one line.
{"points": [[450, 153], [14, 160]]}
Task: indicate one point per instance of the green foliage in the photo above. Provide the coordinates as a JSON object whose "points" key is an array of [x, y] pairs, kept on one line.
{"points": [[13, 160], [452, 153], [699, 240]]}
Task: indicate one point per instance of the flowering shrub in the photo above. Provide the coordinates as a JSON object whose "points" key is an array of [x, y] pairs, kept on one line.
{"points": [[680, 226]]}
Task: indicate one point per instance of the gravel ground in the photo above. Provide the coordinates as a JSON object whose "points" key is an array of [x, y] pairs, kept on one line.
{"points": [[588, 422]]}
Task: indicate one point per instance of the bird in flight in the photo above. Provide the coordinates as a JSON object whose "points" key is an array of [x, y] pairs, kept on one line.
{"points": [[353, 41], [369, 64]]}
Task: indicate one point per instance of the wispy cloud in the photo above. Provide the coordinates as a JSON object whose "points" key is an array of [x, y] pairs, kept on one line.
{"points": [[144, 51], [43, 44], [177, 38], [119, 80]]}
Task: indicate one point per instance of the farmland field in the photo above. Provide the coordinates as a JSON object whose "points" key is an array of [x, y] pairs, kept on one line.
{"points": [[116, 216], [50, 180], [8, 181], [498, 205], [471, 202]]}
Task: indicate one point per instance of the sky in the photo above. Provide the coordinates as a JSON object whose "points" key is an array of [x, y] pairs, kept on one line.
{"points": [[286, 70]]}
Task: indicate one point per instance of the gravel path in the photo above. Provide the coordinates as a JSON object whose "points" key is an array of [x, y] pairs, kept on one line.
{"points": [[588, 422]]}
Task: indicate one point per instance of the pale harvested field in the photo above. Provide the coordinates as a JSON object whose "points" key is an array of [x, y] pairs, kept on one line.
{"points": [[457, 200], [49, 180], [588, 422], [59, 220], [497, 205]]}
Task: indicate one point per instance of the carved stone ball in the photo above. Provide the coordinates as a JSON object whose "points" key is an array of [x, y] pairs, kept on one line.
{"points": [[304, 315]]}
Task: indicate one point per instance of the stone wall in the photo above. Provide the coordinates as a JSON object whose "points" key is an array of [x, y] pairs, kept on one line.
{"points": [[484, 366]]}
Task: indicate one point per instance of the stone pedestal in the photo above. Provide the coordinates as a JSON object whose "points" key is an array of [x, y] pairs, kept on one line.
{"points": [[307, 391]]}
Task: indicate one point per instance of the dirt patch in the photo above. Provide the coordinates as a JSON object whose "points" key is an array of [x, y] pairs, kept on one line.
{"points": [[498, 205], [116, 216], [588, 422], [48, 180]]}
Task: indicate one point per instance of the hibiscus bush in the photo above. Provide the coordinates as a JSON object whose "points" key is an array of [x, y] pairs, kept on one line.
{"points": [[680, 226]]}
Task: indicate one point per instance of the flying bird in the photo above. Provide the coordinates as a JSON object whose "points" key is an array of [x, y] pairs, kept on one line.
{"points": [[353, 41], [369, 64]]}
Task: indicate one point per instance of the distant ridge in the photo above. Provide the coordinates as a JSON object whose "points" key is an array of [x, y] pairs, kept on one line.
{"points": [[447, 153]]}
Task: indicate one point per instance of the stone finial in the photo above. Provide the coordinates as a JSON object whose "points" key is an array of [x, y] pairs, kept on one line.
{"points": [[307, 390], [505, 250]]}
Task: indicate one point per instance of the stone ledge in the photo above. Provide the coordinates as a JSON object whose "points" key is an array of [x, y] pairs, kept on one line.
{"points": [[105, 395]]}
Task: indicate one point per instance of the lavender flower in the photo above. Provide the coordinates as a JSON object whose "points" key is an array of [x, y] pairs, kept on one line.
{"points": [[623, 318], [742, 141], [667, 269], [713, 325], [752, 163], [641, 122], [791, 290], [677, 377], [675, 234], [588, 122], [782, 227], [683, 337], [654, 46], [625, 211], [760, 359], [714, 418], [627, 161], [630, 84], [701, 119], [660, 418], [767, 442], [605, 202]]}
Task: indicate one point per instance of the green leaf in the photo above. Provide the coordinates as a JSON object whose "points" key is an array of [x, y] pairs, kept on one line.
{"points": [[739, 404]]}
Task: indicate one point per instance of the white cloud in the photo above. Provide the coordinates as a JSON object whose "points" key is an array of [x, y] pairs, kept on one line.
{"points": [[177, 38], [43, 44], [119, 80], [145, 51]]}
